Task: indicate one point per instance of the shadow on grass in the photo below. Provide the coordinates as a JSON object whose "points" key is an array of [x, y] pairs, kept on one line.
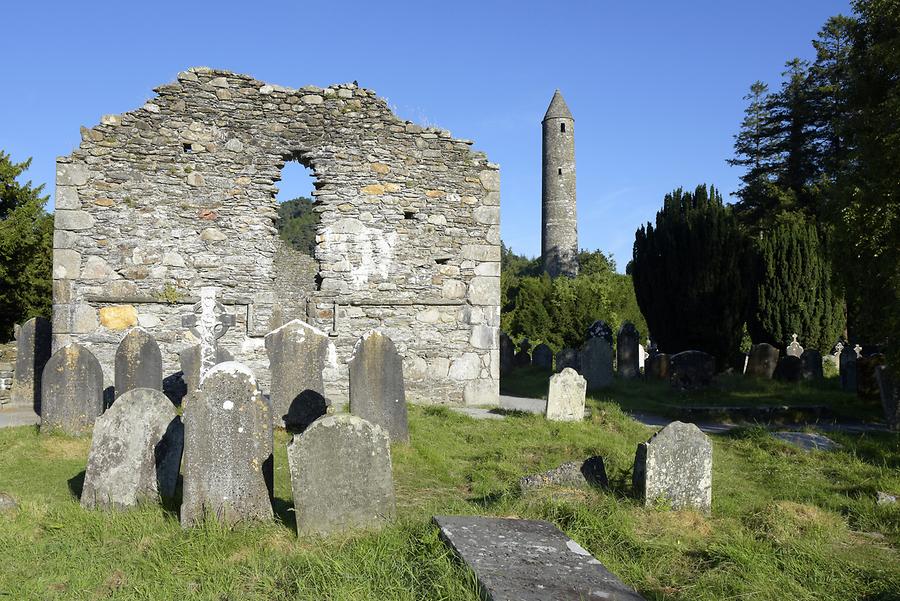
{"points": [[284, 511], [76, 484]]}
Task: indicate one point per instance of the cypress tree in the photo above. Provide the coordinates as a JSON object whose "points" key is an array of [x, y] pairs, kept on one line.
{"points": [[793, 292], [690, 275]]}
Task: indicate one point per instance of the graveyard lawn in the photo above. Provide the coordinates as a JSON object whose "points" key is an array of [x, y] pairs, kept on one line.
{"points": [[785, 524]]}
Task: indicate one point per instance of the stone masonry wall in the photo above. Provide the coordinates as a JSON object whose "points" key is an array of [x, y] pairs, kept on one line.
{"points": [[180, 193]]}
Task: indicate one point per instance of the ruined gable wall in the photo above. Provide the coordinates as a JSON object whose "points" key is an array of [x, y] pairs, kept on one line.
{"points": [[179, 194]]}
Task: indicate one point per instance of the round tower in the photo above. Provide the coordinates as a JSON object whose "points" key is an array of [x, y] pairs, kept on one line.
{"points": [[559, 231]]}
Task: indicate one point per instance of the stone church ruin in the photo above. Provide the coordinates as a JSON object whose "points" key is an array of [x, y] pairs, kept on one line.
{"points": [[180, 194]]}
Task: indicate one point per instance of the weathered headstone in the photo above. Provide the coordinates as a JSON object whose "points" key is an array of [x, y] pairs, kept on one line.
{"points": [[762, 361], [32, 353], [597, 363], [657, 367], [507, 354], [71, 391], [675, 467], [848, 369], [627, 352], [689, 370], [601, 329], [890, 396], [788, 369], [542, 357], [583, 474], [135, 453], [568, 357], [341, 475], [794, 349], [227, 449], [190, 364], [811, 368], [529, 560], [208, 321], [565, 401], [138, 362], [298, 354], [377, 393]]}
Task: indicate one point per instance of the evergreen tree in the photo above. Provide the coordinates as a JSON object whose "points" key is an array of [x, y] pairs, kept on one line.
{"points": [[26, 248], [794, 294], [297, 223], [690, 274]]}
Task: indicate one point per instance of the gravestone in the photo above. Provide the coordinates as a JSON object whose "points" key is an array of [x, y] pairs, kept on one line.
{"points": [[377, 393], [138, 362], [565, 400], [689, 370], [762, 361], [71, 391], [135, 453], [529, 560], [811, 368], [642, 356], [507, 354], [523, 357], [597, 363], [890, 396], [627, 352], [789, 369], [794, 349], [341, 476], [190, 364], [580, 474], [601, 329], [848, 368], [298, 354], [568, 357], [542, 357], [674, 467], [657, 367], [866, 384], [835, 355], [227, 449], [33, 341], [208, 322]]}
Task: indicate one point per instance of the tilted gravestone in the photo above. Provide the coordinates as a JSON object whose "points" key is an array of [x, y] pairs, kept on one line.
{"points": [[298, 354], [794, 349], [848, 368], [601, 329], [568, 357], [138, 362], [341, 476], [597, 363], [190, 364], [32, 352], [762, 361], [227, 449], [71, 391], [136, 452], [811, 368], [588, 473], [628, 351], [788, 369], [565, 401], [657, 367], [674, 467], [377, 393], [890, 396], [542, 357], [689, 370], [507, 354]]}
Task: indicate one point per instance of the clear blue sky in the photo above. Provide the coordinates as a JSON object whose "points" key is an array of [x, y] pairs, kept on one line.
{"points": [[656, 87]]}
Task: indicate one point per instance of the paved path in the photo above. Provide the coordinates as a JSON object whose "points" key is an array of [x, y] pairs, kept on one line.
{"points": [[18, 416]]}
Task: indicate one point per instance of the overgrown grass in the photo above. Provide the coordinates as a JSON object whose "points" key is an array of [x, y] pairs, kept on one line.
{"points": [[786, 524]]}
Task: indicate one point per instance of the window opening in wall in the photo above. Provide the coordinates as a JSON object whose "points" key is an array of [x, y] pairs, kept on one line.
{"points": [[559, 171], [297, 221], [187, 148], [562, 127]]}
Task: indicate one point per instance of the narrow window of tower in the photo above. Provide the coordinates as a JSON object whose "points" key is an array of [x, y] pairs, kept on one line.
{"points": [[562, 127]]}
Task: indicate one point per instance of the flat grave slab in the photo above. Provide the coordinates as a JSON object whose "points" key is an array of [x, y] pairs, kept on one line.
{"points": [[807, 441], [526, 560]]}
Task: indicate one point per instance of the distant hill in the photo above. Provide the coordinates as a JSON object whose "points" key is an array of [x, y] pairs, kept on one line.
{"points": [[297, 223]]}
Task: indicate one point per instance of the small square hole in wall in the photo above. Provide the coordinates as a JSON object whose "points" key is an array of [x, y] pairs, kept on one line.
{"points": [[187, 148], [409, 214], [442, 260]]}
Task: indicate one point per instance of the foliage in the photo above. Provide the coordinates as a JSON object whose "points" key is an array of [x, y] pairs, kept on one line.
{"points": [[558, 311], [690, 274], [297, 222], [26, 248], [793, 290]]}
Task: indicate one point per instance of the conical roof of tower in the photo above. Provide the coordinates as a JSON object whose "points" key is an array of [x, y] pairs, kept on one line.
{"points": [[558, 108]]}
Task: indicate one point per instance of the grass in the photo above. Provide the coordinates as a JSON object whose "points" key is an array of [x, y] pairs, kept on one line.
{"points": [[785, 524]]}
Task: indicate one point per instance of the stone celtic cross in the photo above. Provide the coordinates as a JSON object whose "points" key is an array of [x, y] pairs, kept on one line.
{"points": [[208, 321]]}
